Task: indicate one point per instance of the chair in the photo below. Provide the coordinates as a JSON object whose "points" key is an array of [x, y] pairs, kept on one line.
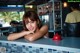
{"points": [[72, 29]]}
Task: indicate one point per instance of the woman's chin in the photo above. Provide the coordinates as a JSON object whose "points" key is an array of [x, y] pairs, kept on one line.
{"points": [[32, 30]]}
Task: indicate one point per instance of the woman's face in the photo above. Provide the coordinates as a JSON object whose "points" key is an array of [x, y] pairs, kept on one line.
{"points": [[31, 25]]}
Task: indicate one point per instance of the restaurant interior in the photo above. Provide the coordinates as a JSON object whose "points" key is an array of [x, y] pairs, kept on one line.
{"points": [[52, 12]]}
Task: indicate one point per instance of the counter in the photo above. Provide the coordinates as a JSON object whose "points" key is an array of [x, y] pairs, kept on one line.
{"points": [[43, 45]]}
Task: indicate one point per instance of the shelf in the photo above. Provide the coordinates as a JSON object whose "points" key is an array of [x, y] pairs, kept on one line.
{"points": [[52, 13], [55, 30]]}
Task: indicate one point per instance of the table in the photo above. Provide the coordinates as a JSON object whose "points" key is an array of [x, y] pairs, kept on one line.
{"points": [[43, 45]]}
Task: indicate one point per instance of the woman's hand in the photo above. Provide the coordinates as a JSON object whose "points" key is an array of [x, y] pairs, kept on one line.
{"points": [[28, 32], [29, 37]]}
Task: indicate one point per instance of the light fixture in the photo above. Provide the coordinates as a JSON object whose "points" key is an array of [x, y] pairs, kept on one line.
{"points": [[29, 6], [65, 4]]}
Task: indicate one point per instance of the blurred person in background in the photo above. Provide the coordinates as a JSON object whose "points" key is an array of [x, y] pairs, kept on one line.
{"points": [[74, 16], [73, 20], [14, 23]]}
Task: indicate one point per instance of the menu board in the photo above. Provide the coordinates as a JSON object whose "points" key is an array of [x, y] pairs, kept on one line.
{"points": [[44, 8]]}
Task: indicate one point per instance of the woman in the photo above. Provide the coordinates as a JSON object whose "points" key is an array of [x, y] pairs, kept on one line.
{"points": [[33, 29]]}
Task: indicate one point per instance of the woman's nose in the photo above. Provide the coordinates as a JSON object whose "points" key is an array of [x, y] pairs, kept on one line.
{"points": [[30, 25]]}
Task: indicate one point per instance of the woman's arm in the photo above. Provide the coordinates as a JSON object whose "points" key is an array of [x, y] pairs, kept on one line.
{"points": [[15, 36], [43, 31]]}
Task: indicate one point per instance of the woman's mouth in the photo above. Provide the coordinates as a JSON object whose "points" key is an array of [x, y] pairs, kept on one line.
{"points": [[31, 29]]}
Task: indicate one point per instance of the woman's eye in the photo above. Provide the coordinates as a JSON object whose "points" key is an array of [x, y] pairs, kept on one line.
{"points": [[26, 23], [32, 22]]}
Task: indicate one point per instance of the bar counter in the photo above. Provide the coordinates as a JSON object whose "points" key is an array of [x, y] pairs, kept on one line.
{"points": [[43, 45]]}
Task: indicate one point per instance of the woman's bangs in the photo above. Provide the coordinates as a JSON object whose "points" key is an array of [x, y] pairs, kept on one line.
{"points": [[26, 20], [32, 19]]}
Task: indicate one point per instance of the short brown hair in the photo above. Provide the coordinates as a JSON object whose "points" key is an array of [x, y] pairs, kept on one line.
{"points": [[32, 15]]}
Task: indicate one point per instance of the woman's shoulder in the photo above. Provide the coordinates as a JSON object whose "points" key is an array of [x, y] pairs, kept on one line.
{"points": [[42, 24], [44, 27]]}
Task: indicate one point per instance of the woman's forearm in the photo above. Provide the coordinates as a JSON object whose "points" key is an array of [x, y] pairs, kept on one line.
{"points": [[14, 36]]}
